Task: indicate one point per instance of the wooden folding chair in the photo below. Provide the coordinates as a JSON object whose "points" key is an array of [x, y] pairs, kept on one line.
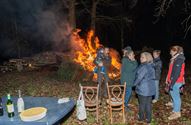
{"points": [[91, 99], [116, 94]]}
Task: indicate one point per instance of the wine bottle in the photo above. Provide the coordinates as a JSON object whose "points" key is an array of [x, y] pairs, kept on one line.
{"points": [[10, 107], [1, 107], [20, 103]]}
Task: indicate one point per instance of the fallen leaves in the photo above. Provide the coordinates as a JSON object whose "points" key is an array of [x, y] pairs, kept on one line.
{"points": [[42, 83]]}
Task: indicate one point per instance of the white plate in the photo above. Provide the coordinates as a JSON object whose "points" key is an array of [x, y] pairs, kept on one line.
{"points": [[33, 114]]}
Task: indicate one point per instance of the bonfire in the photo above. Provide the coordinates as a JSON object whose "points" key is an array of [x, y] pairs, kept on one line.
{"points": [[85, 53]]}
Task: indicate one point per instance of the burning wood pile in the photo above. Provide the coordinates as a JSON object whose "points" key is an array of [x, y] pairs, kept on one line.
{"points": [[85, 53]]}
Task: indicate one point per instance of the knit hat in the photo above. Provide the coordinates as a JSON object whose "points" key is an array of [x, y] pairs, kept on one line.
{"points": [[128, 48]]}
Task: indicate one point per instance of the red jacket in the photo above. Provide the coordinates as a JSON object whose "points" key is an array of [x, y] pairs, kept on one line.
{"points": [[176, 70]]}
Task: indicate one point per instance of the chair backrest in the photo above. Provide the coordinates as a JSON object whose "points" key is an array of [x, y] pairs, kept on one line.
{"points": [[116, 93], [90, 94]]}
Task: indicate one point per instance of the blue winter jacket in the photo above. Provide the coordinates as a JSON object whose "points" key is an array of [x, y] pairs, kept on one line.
{"points": [[145, 80]]}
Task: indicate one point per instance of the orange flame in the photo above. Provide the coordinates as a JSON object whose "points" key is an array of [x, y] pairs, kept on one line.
{"points": [[85, 51]]}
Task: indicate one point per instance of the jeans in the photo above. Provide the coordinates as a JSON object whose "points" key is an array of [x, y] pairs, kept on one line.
{"points": [[145, 107], [127, 95], [175, 94], [156, 97], [100, 81]]}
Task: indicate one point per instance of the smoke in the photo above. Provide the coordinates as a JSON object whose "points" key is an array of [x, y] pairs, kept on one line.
{"points": [[53, 25], [33, 26]]}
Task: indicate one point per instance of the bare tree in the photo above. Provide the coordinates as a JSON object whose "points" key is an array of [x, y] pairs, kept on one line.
{"points": [[125, 21], [93, 14], [161, 9], [187, 21], [164, 5], [17, 40], [71, 6], [120, 20], [72, 16]]}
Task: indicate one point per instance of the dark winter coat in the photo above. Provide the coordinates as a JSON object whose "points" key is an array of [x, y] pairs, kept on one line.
{"points": [[107, 63], [128, 70], [158, 67], [176, 70], [145, 80]]}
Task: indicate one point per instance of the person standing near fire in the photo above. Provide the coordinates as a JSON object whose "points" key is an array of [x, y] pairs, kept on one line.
{"points": [[128, 70], [175, 80], [145, 86], [103, 64], [158, 68]]}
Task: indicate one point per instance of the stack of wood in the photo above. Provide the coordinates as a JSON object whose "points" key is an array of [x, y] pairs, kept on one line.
{"points": [[16, 65], [38, 61], [6, 68]]}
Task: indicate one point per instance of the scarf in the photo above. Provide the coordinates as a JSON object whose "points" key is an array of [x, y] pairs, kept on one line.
{"points": [[174, 57]]}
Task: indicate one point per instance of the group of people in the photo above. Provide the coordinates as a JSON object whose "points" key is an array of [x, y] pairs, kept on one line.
{"points": [[145, 78]]}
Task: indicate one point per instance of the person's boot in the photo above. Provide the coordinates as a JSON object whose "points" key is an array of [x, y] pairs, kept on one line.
{"points": [[175, 115], [171, 112], [140, 119], [148, 122], [154, 101], [169, 104]]}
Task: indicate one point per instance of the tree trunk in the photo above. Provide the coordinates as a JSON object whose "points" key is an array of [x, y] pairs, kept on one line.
{"points": [[93, 18], [72, 16], [122, 34], [122, 23], [17, 41], [93, 15]]}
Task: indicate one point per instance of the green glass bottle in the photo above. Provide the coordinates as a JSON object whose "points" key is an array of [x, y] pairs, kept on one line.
{"points": [[10, 107]]}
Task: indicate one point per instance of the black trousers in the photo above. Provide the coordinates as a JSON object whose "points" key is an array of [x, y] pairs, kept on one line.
{"points": [[100, 82], [145, 107]]}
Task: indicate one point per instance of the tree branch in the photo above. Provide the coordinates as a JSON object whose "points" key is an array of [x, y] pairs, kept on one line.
{"points": [[85, 6], [187, 25], [162, 8], [108, 18]]}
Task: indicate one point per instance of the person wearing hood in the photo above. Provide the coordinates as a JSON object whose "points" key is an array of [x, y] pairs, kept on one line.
{"points": [[145, 86], [175, 79], [128, 70]]}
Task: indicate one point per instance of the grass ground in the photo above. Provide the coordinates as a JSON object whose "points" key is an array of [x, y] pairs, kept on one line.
{"points": [[45, 83]]}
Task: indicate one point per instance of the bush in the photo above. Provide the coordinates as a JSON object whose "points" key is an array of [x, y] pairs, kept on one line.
{"points": [[66, 71]]}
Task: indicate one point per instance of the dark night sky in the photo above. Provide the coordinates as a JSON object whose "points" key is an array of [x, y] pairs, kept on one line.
{"points": [[168, 31], [34, 22]]}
